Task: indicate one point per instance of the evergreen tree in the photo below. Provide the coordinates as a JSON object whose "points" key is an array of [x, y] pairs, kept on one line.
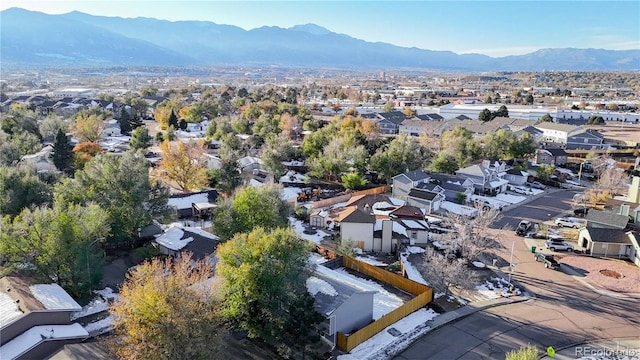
{"points": [[173, 120], [140, 138], [135, 122], [124, 122], [62, 155], [182, 124]]}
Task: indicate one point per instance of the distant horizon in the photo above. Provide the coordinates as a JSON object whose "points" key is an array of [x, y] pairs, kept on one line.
{"points": [[492, 28]]}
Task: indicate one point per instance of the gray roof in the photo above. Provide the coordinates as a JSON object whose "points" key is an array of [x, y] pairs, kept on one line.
{"points": [[422, 194], [414, 175], [396, 117], [606, 219], [430, 117], [474, 170], [557, 152], [325, 304], [608, 235]]}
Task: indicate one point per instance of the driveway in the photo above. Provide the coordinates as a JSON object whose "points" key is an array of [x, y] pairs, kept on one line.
{"points": [[563, 312]]}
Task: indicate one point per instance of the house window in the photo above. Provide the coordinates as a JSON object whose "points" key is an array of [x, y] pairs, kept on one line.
{"points": [[414, 235], [586, 141]]}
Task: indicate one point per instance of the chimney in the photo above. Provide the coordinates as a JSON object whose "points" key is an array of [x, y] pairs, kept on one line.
{"points": [[634, 190], [486, 163], [624, 209]]}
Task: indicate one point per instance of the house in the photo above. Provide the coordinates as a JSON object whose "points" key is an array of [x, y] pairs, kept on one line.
{"points": [[554, 132], [191, 204], [586, 139], [389, 122], [454, 187], [425, 199], [408, 212], [345, 306], [484, 179], [533, 132], [417, 231], [249, 163], [35, 319], [40, 161], [516, 177], [605, 242], [557, 157], [112, 128], [200, 243], [356, 225], [413, 127], [403, 183], [367, 201]]}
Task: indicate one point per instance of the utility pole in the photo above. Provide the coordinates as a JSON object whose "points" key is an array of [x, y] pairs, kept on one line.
{"points": [[511, 263]]}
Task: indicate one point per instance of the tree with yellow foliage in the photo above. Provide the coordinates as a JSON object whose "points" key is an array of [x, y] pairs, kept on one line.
{"points": [[183, 165], [167, 310]]}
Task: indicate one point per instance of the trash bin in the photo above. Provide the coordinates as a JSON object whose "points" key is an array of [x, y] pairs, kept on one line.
{"points": [[533, 249]]}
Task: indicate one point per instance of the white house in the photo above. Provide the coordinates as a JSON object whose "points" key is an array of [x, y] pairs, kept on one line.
{"points": [[357, 225]]}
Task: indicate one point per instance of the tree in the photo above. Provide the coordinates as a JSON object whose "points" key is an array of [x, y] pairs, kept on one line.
{"points": [[444, 163], [444, 271], [611, 182], [340, 155], [546, 118], [20, 189], [249, 208], [389, 106], [595, 120], [264, 287], [89, 125], [528, 99], [276, 150], [159, 137], [501, 112], [497, 144], [173, 120], [459, 144], [84, 152], [353, 181], [140, 138], [523, 146], [14, 147], [60, 244], [182, 164], [472, 234], [346, 247], [485, 115], [545, 171], [167, 310], [121, 186], [124, 121], [227, 178], [402, 154], [62, 154], [50, 125]]}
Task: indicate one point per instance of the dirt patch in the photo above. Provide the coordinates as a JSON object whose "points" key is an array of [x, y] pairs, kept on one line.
{"points": [[611, 273], [591, 267]]}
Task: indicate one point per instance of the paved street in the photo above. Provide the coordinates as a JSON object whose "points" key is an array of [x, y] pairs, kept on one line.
{"points": [[563, 312]]}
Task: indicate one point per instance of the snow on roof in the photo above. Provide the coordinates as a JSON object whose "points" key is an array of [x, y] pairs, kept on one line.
{"points": [[498, 182], [565, 171], [371, 260], [383, 301], [255, 183], [53, 297], [172, 239], [185, 202], [34, 336], [316, 285], [297, 178], [9, 310], [202, 233], [415, 224], [432, 219], [399, 229]]}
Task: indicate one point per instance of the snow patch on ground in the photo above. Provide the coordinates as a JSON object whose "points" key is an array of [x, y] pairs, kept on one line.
{"points": [[383, 345], [415, 250], [371, 260], [298, 226], [496, 288], [511, 199], [478, 264], [412, 271], [100, 326], [458, 209]]}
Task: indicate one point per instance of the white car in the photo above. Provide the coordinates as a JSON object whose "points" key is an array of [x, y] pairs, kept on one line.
{"points": [[565, 222], [554, 245]]}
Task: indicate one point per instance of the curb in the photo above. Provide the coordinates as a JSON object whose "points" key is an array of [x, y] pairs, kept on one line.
{"points": [[559, 350]]}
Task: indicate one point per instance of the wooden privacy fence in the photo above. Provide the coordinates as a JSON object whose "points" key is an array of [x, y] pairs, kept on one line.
{"points": [[343, 198], [424, 295]]}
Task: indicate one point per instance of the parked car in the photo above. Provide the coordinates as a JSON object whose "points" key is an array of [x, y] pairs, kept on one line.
{"points": [[519, 190], [548, 260], [523, 227], [554, 245], [536, 185], [582, 211], [566, 222]]}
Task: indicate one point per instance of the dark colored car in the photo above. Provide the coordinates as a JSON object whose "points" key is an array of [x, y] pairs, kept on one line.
{"points": [[582, 211], [548, 260], [523, 227]]}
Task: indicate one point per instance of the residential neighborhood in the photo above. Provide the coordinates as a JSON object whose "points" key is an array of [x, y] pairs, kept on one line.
{"points": [[263, 211]]}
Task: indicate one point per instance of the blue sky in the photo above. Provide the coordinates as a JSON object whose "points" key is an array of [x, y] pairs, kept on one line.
{"points": [[494, 28]]}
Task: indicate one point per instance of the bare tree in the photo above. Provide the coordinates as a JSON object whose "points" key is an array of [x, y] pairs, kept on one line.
{"points": [[443, 272], [612, 181], [473, 233]]}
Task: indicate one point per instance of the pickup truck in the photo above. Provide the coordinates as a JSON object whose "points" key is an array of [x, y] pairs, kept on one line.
{"points": [[549, 261]]}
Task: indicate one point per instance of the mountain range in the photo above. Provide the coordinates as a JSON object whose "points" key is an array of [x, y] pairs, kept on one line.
{"points": [[77, 39]]}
